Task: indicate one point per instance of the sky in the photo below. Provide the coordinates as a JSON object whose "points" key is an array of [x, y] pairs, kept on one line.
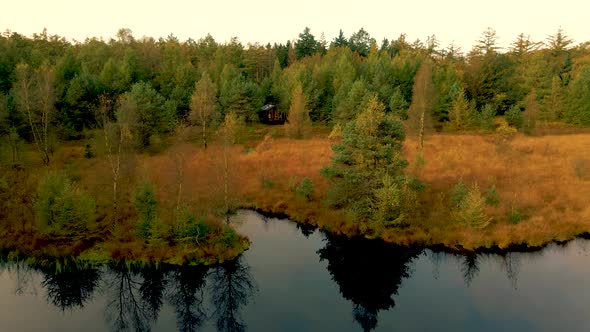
{"points": [[452, 21]]}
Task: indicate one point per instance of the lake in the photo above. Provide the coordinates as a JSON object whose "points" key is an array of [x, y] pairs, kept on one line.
{"points": [[296, 278]]}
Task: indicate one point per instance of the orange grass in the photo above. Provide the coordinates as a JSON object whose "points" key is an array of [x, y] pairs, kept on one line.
{"points": [[546, 179], [543, 178]]}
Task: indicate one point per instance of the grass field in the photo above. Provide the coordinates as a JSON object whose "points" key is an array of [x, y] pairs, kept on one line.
{"points": [[543, 184]]}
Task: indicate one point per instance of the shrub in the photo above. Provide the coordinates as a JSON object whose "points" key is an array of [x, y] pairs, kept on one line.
{"points": [[61, 208], [470, 209], [146, 204], [492, 197], [189, 227], [306, 189], [267, 182], [336, 133], [229, 237], [514, 216], [391, 202], [486, 117], [514, 117], [458, 194]]}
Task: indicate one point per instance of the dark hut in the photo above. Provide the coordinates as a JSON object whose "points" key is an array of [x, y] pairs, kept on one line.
{"points": [[270, 114]]}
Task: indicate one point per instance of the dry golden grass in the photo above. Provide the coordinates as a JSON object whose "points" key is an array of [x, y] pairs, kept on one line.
{"points": [[545, 178]]}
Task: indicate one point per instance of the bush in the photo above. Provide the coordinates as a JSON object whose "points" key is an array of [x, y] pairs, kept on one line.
{"points": [[267, 182], [306, 189], [336, 133], [514, 216], [470, 209], [390, 202], [486, 117], [492, 197], [189, 227], [60, 208], [146, 204], [458, 194], [514, 117]]}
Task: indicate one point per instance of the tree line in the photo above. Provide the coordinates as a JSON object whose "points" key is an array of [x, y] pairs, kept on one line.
{"points": [[50, 86]]}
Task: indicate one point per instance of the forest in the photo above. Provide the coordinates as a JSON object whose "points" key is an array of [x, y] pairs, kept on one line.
{"points": [[135, 147]]}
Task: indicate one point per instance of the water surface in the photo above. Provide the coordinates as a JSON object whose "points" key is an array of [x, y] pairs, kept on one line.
{"points": [[295, 278]]}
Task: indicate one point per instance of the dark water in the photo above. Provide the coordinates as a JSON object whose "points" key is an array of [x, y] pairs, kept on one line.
{"points": [[295, 279]]}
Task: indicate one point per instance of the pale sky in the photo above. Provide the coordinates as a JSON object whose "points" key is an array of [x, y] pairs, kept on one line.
{"points": [[458, 21]]}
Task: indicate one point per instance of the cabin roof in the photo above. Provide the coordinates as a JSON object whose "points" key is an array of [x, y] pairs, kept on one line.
{"points": [[268, 107]]}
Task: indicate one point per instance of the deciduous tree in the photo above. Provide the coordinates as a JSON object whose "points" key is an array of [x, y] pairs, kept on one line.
{"points": [[203, 105]]}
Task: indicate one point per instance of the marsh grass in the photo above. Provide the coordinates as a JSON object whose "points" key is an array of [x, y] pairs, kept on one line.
{"points": [[540, 177]]}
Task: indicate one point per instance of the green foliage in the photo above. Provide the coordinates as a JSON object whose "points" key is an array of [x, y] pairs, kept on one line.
{"points": [[392, 200], [531, 114], [578, 110], [361, 42], [336, 133], [146, 205], [61, 208], [459, 116], [146, 112], [305, 189], [514, 117], [398, 104], [486, 117], [514, 216], [298, 124], [190, 228], [306, 45], [267, 182], [492, 197], [370, 151], [229, 237], [468, 206], [458, 194]]}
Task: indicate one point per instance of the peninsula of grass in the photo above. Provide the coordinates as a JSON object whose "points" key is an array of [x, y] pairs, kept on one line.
{"points": [[527, 191]]}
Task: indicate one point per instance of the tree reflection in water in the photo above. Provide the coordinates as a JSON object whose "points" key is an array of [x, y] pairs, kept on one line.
{"points": [[368, 272], [152, 289], [186, 296], [125, 310], [69, 286], [470, 267], [231, 289]]}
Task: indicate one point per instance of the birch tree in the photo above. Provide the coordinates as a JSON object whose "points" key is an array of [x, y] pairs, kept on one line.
{"points": [[35, 90], [203, 105]]}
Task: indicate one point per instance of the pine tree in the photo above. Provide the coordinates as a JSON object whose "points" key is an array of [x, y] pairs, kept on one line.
{"points": [[368, 166]]}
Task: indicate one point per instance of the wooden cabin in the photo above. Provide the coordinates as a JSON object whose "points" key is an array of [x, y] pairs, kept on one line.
{"points": [[270, 114]]}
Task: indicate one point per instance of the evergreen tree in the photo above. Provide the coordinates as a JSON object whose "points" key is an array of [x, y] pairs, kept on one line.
{"points": [[149, 111], [306, 45], [340, 41], [367, 168]]}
